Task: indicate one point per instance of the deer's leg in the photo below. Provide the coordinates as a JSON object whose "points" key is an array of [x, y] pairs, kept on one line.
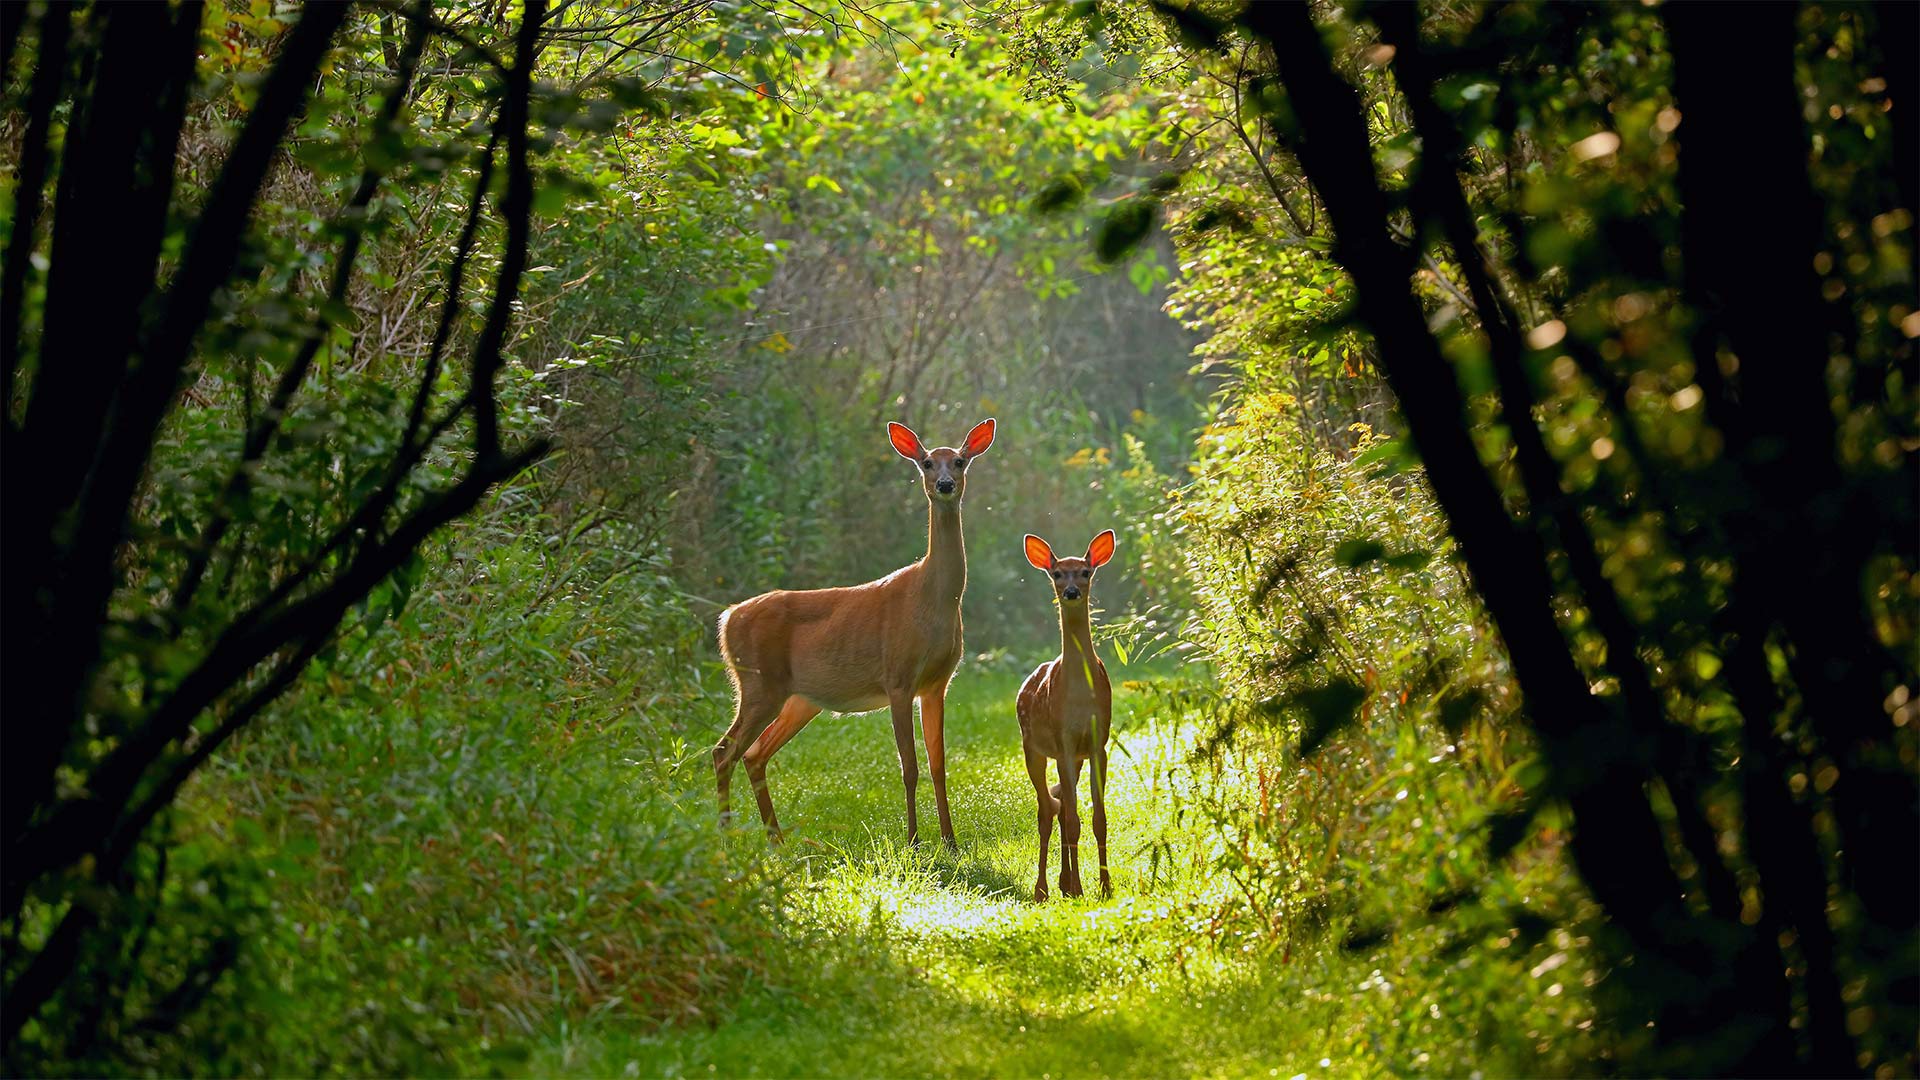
{"points": [[909, 760], [753, 710], [1049, 806], [1100, 816], [793, 716], [933, 708], [1069, 824]]}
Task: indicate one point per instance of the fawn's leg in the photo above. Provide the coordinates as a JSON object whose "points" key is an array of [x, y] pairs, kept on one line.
{"points": [[753, 710], [933, 708], [793, 716], [1049, 806], [1069, 823], [909, 761], [1100, 816]]}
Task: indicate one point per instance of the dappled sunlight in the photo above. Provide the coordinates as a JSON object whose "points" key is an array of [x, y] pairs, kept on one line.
{"points": [[843, 811], [966, 920], [467, 456]]}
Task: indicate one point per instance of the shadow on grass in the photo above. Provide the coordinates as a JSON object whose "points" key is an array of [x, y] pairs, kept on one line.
{"points": [[869, 997], [977, 874], [968, 871]]}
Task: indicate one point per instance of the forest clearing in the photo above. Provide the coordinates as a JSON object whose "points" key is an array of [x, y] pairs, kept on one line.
{"points": [[1137, 538]]}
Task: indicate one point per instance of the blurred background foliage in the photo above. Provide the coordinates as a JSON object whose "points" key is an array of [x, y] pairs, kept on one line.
{"points": [[763, 230]]}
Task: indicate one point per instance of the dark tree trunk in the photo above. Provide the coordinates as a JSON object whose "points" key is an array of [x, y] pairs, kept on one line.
{"points": [[89, 383], [1719, 983]]}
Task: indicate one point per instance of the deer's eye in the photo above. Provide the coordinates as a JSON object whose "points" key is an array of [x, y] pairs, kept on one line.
{"points": [[927, 464], [959, 463], [1056, 575], [1086, 573]]}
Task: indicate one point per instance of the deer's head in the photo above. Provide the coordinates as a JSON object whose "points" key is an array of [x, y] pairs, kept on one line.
{"points": [[1072, 578], [943, 470]]}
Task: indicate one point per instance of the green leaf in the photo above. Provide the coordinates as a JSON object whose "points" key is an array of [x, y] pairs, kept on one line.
{"points": [[1329, 709], [1353, 553], [1458, 709], [1195, 27], [1061, 193], [1391, 455], [1507, 828], [1124, 227], [1410, 560], [1221, 215]]}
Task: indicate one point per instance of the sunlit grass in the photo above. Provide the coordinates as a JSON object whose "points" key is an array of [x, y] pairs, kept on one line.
{"points": [[915, 961], [563, 901]]}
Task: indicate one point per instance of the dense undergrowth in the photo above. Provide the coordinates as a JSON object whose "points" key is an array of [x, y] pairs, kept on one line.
{"points": [[487, 822], [476, 834], [477, 808], [489, 847]]}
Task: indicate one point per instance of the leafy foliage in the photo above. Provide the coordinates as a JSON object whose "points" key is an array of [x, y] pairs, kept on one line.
{"points": [[1521, 218], [1518, 509]]}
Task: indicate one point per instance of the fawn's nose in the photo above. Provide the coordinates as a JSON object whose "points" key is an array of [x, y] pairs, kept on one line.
{"points": [[945, 484], [1073, 592]]}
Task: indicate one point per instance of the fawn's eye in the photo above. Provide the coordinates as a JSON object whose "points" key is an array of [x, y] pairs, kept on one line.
{"points": [[927, 464], [1056, 575], [959, 463], [1086, 573]]}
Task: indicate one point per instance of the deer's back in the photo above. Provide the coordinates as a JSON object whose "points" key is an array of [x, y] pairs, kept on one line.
{"points": [[843, 649]]}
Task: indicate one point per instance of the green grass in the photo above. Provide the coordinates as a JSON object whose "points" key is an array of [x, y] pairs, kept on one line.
{"points": [[499, 853], [918, 962]]}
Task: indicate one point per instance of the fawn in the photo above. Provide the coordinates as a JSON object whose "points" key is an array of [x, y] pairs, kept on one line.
{"points": [[1066, 713], [878, 645]]}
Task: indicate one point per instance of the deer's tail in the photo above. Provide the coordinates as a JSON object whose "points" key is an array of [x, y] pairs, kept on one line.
{"points": [[726, 646]]}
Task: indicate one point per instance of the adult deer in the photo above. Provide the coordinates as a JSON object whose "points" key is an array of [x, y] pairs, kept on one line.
{"points": [[1066, 713], [877, 645]]}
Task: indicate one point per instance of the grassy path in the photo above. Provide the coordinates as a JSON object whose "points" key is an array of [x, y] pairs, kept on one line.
{"points": [[913, 963]]}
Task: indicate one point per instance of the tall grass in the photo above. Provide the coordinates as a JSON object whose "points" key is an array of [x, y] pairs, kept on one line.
{"points": [[481, 839], [488, 799]]}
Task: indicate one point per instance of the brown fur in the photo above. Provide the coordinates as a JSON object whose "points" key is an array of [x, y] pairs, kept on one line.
{"points": [[1066, 714], [793, 654]]}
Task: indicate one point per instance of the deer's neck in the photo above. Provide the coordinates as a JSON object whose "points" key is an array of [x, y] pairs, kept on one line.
{"points": [[946, 561], [1076, 645]]}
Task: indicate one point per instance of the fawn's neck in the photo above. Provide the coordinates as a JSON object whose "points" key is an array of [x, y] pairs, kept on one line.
{"points": [[1076, 644], [946, 561]]}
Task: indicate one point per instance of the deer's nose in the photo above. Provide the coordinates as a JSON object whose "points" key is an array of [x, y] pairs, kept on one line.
{"points": [[1073, 592], [945, 484]]}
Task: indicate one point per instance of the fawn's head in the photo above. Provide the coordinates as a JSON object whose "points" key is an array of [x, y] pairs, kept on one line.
{"points": [[1072, 578], [943, 470]]}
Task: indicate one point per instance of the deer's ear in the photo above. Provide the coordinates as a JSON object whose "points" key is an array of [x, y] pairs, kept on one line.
{"points": [[1038, 553], [980, 438], [906, 443], [1101, 549]]}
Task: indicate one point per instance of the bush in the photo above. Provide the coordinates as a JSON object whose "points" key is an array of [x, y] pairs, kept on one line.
{"points": [[1360, 749], [487, 798]]}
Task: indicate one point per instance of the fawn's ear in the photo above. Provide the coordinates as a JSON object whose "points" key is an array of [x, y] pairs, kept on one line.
{"points": [[1101, 549], [906, 443], [980, 437], [1038, 553]]}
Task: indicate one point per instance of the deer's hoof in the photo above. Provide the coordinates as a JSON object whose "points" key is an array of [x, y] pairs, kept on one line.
{"points": [[1106, 886], [1040, 893], [953, 846], [1069, 886]]}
